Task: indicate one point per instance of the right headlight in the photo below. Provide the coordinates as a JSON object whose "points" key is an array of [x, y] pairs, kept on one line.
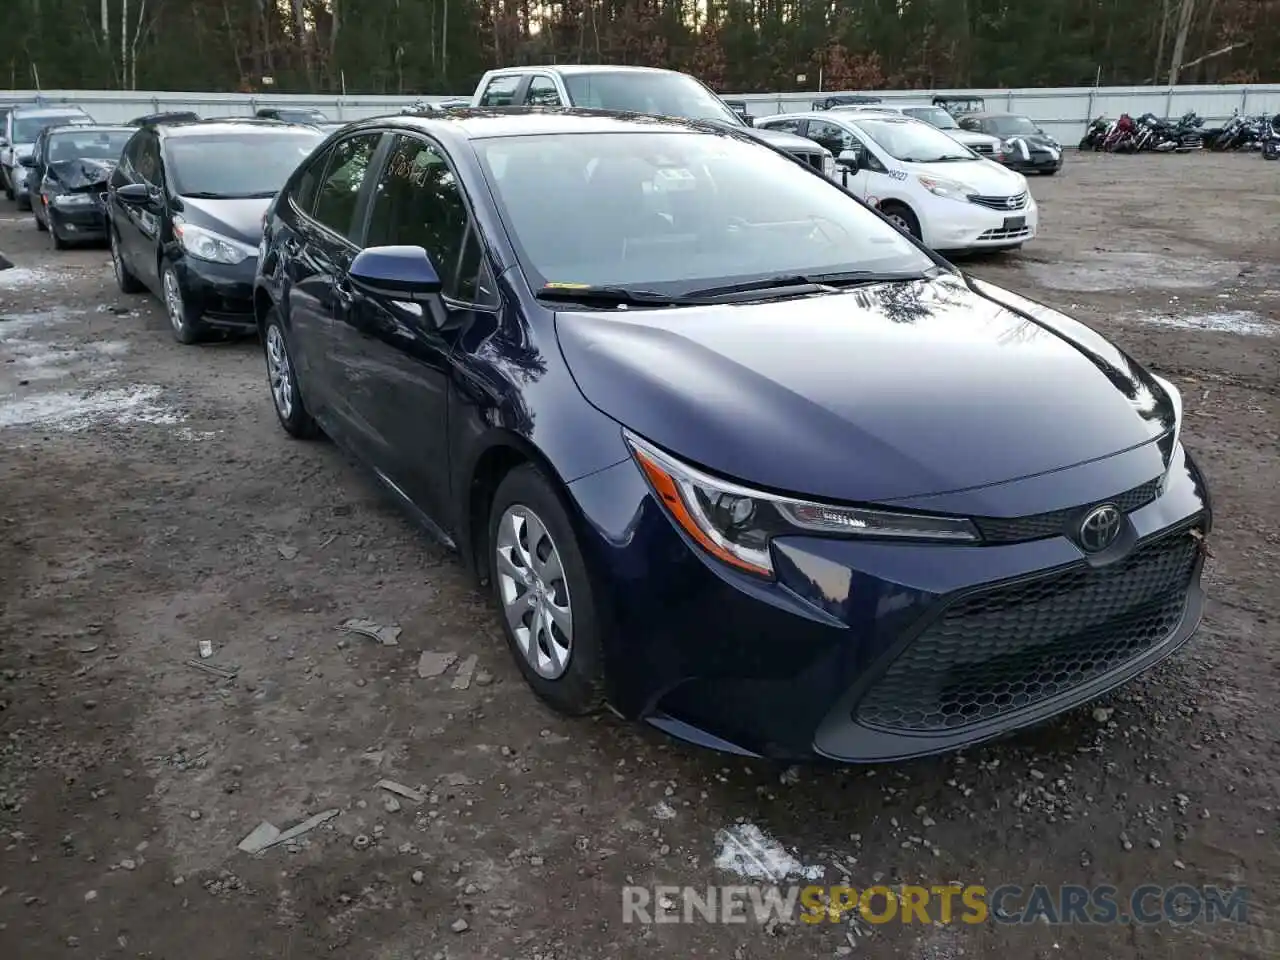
{"points": [[214, 247], [735, 524], [950, 189]]}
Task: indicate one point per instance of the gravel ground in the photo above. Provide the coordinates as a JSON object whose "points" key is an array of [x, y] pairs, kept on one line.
{"points": [[149, 503]]}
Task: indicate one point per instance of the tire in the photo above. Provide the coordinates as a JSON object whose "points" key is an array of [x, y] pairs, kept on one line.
{"points": [[41, 224], [282, 380], [902, 217], [524, 504], [184, 321], [127, 282]]}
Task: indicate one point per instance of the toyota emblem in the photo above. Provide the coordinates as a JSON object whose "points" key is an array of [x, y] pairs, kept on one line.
{"points": [[1100, 528], [1012, 203]]}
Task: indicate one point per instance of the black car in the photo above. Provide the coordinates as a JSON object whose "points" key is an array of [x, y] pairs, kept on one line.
{"points": [[292, 115], [172, 116], [1026, 147], [68, 172], [185, 215]]}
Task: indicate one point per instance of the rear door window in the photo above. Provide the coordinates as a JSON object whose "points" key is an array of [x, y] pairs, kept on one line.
{"points": [[501, 91]]}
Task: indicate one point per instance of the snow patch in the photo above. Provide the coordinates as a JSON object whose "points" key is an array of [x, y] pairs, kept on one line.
{"points": [[24, 278], [1243, 322], [663, 811], [749, 852], [78, 411]]}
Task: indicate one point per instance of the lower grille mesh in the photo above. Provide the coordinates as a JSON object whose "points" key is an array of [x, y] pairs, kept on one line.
{"points": [[1013, 646]]}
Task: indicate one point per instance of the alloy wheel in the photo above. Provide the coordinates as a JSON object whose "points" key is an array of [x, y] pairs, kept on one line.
{"points": [[173, 301], [534, 592], [279, 372]]}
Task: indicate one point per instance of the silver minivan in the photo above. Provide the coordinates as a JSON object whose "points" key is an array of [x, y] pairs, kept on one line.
{"points": [[18, 137]]}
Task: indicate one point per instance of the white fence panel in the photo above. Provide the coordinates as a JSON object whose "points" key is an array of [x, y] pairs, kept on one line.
{"points": [[1063, 111]]}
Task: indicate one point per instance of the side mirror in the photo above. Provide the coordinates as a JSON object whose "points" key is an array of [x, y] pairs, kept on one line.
{"points": [[748, 119], [134, 194], [27, 161], [849, 160], [395, 273]]}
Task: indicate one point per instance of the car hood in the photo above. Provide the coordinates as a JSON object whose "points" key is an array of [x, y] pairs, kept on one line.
{"points": [[82, 172], [985, 177], [1037, 140], [872, 395], [971, 138], [240, 219], [785, 141]]}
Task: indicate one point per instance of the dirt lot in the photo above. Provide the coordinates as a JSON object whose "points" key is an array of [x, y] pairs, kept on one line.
{"points": [[149, 501]]}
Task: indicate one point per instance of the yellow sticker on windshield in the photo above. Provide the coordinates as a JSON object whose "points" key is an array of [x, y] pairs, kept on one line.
{"points": [[567, 286]]}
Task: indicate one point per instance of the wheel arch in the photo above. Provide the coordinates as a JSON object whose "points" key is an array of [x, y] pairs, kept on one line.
{"points": [[501, 452]]}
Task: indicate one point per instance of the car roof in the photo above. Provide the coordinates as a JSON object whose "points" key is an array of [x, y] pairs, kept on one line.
{"points": [[851, 116], [226, 125], [479, 123], [89, 128], [61, 111], [991, 115], [569, 69]]}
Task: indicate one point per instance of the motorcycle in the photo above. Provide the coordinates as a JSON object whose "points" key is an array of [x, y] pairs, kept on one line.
{"points": [[1095, 134], [1121, 135], [1271, 139]]}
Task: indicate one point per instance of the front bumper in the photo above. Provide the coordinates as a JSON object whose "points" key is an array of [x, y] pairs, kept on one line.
{"points": [[76, 223], [868, 651], [1039, 162], [952, 225], [221, 292]]}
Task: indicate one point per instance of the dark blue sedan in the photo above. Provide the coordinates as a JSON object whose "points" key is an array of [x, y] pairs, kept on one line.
{"points": [[733, 454]]}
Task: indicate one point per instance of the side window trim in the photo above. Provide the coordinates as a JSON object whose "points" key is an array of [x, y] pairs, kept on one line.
{"points": [[361, 218], [467, 204]]}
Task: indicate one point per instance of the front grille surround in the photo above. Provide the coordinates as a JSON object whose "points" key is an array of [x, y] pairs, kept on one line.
{"points": [[1001, 203], [1040, 526], [1011, 646]]}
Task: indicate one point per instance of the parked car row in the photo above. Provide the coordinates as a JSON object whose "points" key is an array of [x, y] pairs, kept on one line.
{"points": [[659, 382]]}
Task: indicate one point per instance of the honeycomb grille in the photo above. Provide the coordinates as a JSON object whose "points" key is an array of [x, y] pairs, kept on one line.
{"points": [[1052, 524], [1013, 646]]}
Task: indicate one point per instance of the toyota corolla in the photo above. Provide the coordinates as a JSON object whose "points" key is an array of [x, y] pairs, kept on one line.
{"points": [[751, 465]]}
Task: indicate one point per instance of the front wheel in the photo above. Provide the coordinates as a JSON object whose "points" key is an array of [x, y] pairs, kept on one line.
{"points": [[285, 395], [41, 222], [901, 217], [543, 593], [182, 318]]}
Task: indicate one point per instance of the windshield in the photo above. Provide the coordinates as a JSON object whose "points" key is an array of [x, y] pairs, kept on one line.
{"points": [[27, 129], [658, 94], [215, 165], [1008, 126], [934, 116], [90, 144], [678, 212], [913, 142], [301, 116]]}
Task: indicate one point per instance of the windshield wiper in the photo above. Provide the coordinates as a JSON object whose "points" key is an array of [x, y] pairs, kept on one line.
{"points": [[206, 195], [801, 283], [618, 296]]}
